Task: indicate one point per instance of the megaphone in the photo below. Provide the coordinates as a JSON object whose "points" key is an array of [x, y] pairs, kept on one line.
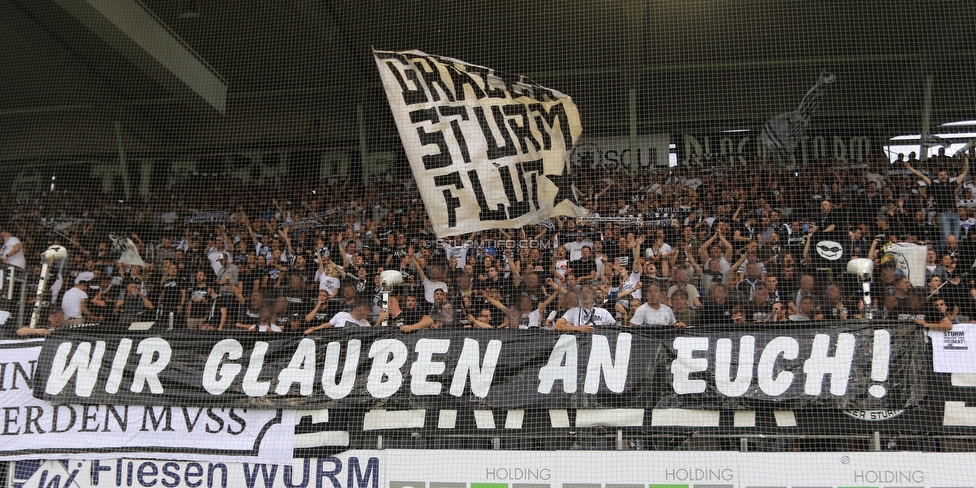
{"points": [[863, 268], [390, 278], [54, 253], [48, 257]]}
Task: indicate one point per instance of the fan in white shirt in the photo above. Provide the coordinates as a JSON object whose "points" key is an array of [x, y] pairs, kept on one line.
{"points": [[654, 313], [586, 317], [265, 323], [328, 276], [359, 316], [13, 251]]}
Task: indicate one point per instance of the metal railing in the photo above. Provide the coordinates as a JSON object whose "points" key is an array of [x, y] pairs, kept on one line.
{"points": [[13, 293]]}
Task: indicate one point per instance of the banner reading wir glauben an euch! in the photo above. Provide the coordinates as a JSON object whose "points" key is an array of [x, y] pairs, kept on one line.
{"points": [[864, 367]]}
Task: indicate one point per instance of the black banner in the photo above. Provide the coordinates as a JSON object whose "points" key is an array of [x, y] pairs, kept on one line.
{"points": [[850, 367]]}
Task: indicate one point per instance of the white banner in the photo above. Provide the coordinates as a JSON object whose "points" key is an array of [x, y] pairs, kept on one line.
{"points": [[35, 429], [502, 469], [488, 150], [954, 351]]}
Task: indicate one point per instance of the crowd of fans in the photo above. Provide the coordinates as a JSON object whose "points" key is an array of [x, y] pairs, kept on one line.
{"points": [[699, 245]]}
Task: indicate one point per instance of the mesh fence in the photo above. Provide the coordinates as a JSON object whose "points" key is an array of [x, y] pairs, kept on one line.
{"points": [[267, 231]]}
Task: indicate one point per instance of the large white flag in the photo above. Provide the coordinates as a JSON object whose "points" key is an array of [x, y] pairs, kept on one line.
{"points": [[488, 150]]}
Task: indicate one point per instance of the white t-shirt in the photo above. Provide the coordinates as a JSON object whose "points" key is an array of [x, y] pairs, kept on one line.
{"points": [[575, 249], [71, 303], [665, 248], [645, 315], [689, 288], [530, 320], [723, 265], [16, 259], [629, 284], [214, 256], [595, 316], [458, 252], [343, 319], [562, 266], [430, 286], [328, 283], [265, 328]]}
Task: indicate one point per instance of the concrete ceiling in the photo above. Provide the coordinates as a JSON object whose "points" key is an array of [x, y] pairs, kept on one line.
{"points": [[298, 69]]}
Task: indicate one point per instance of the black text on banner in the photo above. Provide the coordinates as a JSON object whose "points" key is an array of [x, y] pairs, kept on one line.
{"points": [[488, 150]]}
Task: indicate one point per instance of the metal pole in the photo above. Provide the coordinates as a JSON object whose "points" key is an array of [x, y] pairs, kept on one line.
{"points": [[123, 163], [620, 439], [876, 443], [10, 278], [923, 153], [634, 150], [22, 306], [361, 122], [39, 299]]}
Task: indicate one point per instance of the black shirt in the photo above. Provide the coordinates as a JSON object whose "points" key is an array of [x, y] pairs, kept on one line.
{"points": [[716, 313], [944, 195], [582, 267]]}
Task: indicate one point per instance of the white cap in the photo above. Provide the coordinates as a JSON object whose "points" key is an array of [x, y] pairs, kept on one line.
{"points": [[84, 276]]}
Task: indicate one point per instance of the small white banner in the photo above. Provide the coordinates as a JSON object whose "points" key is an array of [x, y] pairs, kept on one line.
{"points": [[954, 351], [35, 429], [488, 150]]}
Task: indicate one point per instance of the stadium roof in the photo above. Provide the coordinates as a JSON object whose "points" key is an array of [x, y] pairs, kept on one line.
{"points": [[296, 71]]}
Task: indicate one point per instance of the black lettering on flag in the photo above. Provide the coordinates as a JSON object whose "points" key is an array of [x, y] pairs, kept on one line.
{"points": [[543, 94], [486, 213], [534, 169], [462, 78], [454, 111], [431, 161], [523, 128], [494, 150], [510, 82], [453, 202], [545, 121], [516, 207], [410, 97], [428, 70], [484, 73]]}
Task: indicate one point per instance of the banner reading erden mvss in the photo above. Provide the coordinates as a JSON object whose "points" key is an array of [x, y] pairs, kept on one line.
{"points": [[488, 150]]}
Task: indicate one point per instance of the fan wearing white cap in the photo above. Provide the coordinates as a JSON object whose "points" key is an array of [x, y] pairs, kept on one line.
{"points": [[85, 276], [74, 303]]}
